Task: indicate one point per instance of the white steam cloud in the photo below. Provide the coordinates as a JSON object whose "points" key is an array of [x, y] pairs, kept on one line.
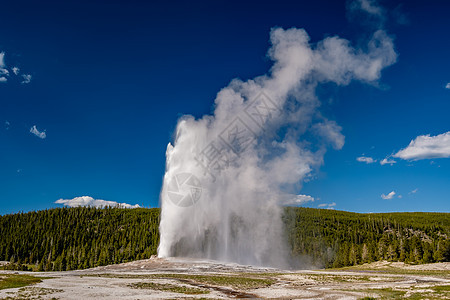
{"points": [[227, 173], [89, 201]]}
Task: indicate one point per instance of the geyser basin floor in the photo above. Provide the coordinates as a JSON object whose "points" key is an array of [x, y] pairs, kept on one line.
{"points": [[186, 278]]}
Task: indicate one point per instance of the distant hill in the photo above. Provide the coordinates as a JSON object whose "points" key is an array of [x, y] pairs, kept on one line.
{"points": [[338, 238], [84, 237], [78, 238]]}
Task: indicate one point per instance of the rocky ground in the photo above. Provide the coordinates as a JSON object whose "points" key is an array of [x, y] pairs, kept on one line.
{"points": [[191, 279]]}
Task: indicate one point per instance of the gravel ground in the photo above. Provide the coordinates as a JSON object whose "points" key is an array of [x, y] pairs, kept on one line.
{"points": [[190, 279]]}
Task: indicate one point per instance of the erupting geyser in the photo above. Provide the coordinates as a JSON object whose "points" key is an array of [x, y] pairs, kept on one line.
{"points": [[228, 174]]}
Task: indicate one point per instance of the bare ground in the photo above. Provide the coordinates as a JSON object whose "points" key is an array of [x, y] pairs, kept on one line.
{"points": [[192, 279]]}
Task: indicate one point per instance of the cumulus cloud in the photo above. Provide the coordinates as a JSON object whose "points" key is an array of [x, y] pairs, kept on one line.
{"points": [[89, 201], [36, 132], [387, 161], [3, 79], [426, 147], [327, 205], [367, 160], [448, 86], [15, 70], [414, 191], [388, 196], [295, 200]]}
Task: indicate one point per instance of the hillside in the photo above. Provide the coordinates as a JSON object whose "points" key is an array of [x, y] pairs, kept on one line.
{"points": [[337, 238], [84, 237], [78, 238]]}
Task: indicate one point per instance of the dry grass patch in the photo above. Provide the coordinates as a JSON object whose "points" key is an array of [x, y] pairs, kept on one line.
{"points": [[168, 288], [238, 282]]}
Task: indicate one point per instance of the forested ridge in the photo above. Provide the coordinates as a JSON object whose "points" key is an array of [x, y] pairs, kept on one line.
{"points": [[78, 238], [84, 237], [338, 238]]}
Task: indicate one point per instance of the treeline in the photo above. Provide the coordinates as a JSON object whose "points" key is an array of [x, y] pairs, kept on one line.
{"points": [[85, 237], [337, 238], [77, 238]]}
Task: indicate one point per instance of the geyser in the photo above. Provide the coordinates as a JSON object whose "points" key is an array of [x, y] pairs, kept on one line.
{"points": [[228, 174]]}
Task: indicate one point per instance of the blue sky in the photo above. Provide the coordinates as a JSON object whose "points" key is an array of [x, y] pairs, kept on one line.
{"points": [[106, 83]]}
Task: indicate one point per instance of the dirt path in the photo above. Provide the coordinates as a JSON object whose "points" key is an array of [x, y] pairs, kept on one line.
{"points": [[184, 278]]}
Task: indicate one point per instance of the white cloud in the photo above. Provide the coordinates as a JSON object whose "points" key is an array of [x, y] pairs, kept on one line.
{"points": [[36, 132], [327, 205], [400, 196], [295, 200], [414, 191], [2, 60], [7, 125], [448, 86], [89, 201], [426, 147], [387, 161], [367, 160], [26, 78], [3, 70], [388, 196], [369, 6]]}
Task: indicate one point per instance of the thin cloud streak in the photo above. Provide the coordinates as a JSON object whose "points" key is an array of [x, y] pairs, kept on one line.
{"points": [[388, 196], [296, 200], [386, 161], [367, 160], [414, 191], [327, 205]]}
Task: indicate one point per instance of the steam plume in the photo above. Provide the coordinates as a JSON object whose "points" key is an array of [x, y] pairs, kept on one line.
{"points": [[227, 174]]}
